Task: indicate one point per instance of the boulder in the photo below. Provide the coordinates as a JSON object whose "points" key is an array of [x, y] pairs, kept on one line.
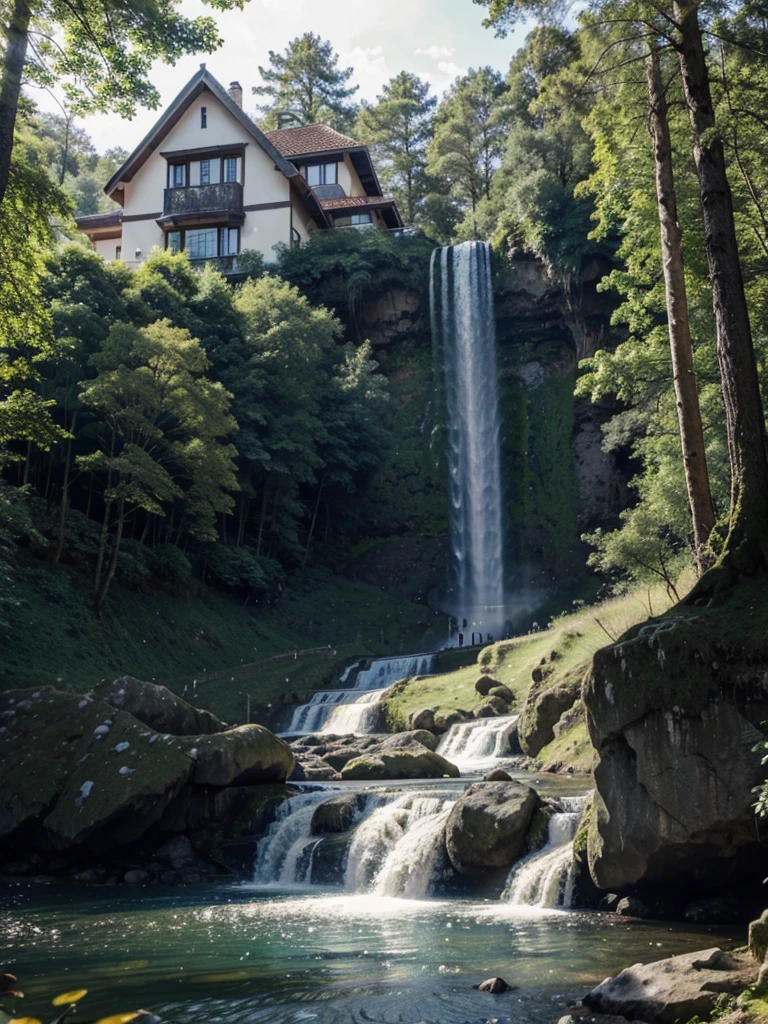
{"points": [[335, 815], [177, 853], [542, 710], [406, 739], [672, 990], [675, 709], [497, 775], [494, 985], [157, 707], [503, 692], [445, 719], [423, 719], [242, 756], [485, 684], [630, 906], [488, 825], [758, 937], [415, 762], [136, 877], [491, 707]]}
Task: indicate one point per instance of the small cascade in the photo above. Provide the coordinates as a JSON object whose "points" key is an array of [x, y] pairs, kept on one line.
{"points": [[284, 855], [354, 711], [473, 745], [395, 850], [545, 879]]}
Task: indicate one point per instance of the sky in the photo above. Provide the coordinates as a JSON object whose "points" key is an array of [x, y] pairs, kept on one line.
{"points": [[436, 39]]}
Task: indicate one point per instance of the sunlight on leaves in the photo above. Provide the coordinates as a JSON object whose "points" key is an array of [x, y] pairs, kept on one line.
{"points": [[119, 1018], [24, 1020]]}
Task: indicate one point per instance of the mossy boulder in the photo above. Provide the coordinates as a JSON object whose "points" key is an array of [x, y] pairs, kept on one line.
{"points": [[485, 684], [415, 762], [675, 710], [543, 708], [491, 707], [487, 827], [503, 692], [445, 719], [424, 718], [245, 755], [157, 707], [405, 739], [758, 937], [336, 815]]}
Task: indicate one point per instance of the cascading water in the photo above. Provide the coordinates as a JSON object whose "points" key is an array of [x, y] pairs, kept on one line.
{"points": [[463, 329], [355, 710], [395, 849], [473, 746], [545, 880]]}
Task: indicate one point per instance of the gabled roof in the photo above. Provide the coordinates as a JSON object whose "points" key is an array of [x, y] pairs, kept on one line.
{"points": [[386, 206], [304, 140], [202, 82]]}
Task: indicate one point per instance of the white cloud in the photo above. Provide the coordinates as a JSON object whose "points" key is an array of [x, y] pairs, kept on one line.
{"points": [[449, 68], [371, 69], [436, 52]]}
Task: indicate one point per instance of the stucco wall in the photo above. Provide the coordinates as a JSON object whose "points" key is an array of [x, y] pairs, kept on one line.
{"points": [[348, 178], [106, 247]]}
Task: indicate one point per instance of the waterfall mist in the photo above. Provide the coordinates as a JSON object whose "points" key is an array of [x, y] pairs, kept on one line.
{"points": [[463, 328]]}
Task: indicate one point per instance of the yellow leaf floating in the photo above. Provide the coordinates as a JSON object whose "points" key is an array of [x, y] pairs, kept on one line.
{"points": [[24, 1020], [119, 1018], [70, 997]]}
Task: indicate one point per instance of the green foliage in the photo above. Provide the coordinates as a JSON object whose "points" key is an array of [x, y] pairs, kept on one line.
{"points": [[307, 82], [398, 127]]}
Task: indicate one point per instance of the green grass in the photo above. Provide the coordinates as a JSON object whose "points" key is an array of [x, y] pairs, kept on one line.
{"points": [[54, 638], [565, 647]]}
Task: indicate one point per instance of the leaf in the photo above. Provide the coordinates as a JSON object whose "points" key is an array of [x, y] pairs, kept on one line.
{"points": [[24, 1020], [119, 1018], [70, 997]]}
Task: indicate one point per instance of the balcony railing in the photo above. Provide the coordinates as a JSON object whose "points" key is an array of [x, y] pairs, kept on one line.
{"points": [[204, 200]]}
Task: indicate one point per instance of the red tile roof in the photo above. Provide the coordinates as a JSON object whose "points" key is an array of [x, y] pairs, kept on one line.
{"points": [[311, 138]]}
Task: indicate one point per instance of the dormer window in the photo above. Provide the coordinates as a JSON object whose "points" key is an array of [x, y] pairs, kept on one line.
{"points": [[203, 117], [322, 174]]}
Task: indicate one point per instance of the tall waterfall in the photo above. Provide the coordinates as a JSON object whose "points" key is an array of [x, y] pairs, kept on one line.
{"points": [[463, 329]]}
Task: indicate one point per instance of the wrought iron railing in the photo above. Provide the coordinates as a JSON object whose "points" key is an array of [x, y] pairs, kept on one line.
{"points": [[226, 197]]}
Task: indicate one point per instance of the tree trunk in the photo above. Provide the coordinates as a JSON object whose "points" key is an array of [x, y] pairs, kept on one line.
{"points": [[746, 547], [312, 525], [686, 389], [261, 521], [113, 558], [13, 68], [102, 546], [65, 491]]}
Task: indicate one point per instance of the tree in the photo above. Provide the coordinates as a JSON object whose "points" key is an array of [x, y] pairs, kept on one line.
{"points": [[306, 81], [469, 136], [399, 127], [102, 53], [162, 438]]}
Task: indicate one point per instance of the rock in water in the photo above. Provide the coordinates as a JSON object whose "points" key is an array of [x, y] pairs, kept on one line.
{"points": [[416, 762], [494, 985], [242, 756], [497, 775], [157, 707], [672, 990], [488, 825]]}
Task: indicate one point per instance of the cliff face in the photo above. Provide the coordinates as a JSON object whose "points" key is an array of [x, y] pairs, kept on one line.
{"points": [[675, 709]]}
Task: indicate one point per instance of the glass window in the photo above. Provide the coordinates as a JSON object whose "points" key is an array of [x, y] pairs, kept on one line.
{"points": [[118, 252], [205, 172], [203, 117], [361, 218], [321, 174], [201, 243], [230, 242], [173, 241], [230, 168], [178, 175]]}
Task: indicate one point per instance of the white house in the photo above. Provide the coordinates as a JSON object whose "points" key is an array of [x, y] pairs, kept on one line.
{"points": [[207, 180]]}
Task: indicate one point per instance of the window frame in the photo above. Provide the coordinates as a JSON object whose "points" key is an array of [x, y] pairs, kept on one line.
{"points": [[322, 168], [218, 228], [203, 117], [237, 154]]}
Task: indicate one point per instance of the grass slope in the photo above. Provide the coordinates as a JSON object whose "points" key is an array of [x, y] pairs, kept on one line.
{"points": [[53, 637]]}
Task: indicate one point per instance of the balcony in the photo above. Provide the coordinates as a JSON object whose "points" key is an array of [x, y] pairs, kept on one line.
{"points": [[223, 202]]}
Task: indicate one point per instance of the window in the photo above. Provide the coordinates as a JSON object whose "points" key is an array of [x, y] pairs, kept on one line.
{"points": [[118, 252], [205, 172], [178, 175], [230, 168], [321, 174], [203, 117], [173, 240], [360, 218], [230, 242], [201, 244]]}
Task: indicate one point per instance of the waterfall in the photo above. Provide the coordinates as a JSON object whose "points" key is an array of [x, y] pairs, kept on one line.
{"points": [[355, 710], [463, 328], [474, 744], [396, 846], [545, 879]]}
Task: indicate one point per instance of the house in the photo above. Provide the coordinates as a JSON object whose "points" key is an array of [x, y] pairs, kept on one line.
{"points": [[208, 181]]}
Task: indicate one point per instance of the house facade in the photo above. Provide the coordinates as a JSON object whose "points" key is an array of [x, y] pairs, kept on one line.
{"points": [[208, 181]]}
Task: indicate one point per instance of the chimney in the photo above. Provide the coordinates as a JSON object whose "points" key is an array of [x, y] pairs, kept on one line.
{"points": [[235, 91]]}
